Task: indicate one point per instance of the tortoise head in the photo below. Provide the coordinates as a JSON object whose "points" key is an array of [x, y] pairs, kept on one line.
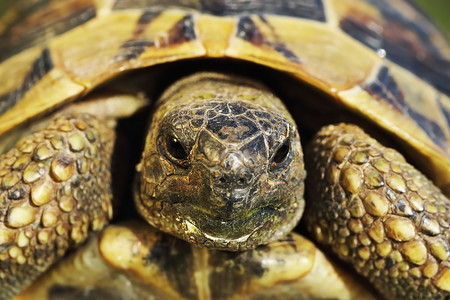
{"points": [[222, 166]]}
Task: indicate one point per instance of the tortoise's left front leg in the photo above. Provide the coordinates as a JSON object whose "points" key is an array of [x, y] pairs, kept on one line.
{"points": [[378, 213]]}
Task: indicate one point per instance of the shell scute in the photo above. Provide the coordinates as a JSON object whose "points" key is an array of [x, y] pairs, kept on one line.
{"points": [[40, 21], [385, 88], [306, 9], [315, 52], [398, 32], [249, 31], [182, 31], [170, 36], [40, 67]]}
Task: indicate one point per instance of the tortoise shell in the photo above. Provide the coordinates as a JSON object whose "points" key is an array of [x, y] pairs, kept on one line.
{"points": [[382, 59]]}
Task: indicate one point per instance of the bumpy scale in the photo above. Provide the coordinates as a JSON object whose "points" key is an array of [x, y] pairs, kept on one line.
{"points": [[55, 189], [379, 213]]}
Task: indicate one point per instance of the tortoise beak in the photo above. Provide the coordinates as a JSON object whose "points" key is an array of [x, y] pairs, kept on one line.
{"points": [[231, 204]]}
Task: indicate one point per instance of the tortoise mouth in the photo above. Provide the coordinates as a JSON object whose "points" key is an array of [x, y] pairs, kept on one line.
{"points": [[238, 228], [270, 220]]}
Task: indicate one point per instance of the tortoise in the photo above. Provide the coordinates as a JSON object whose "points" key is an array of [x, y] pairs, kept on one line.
{"points": [[220, 183]]}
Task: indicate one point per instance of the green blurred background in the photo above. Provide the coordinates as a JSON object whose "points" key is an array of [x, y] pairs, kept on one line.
{"points": [[438, 10]]}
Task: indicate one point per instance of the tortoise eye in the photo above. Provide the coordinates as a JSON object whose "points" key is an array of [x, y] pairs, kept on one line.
{"points": [[175, 148], [281, 153]]}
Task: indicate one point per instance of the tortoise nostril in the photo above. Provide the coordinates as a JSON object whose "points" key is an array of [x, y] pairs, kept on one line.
{"points": [[232, 181], [240, 179]]}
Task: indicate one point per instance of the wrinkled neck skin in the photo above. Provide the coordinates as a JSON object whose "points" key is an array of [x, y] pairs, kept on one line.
{"points": [[222, 166]]}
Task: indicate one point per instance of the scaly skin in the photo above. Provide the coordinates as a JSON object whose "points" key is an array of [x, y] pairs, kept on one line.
{"points": [[378, 213], [55, 189]]}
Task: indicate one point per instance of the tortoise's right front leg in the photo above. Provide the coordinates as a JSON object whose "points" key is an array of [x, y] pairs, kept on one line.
{"points": [[55, 189]]}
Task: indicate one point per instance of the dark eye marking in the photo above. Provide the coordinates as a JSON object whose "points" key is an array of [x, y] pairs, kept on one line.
{"points": [[282, 153], [175, 148]]}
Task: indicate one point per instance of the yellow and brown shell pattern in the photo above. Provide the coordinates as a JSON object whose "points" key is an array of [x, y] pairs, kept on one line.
{"points": [[382, 59]]}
